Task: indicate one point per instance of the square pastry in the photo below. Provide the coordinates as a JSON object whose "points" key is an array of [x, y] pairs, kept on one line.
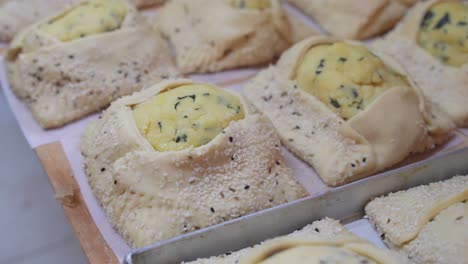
{"points": [[180, 156], [431, 42], [213, 35], [18, 14], [428, 223], [357, 19], [79, 60], [346, 110], [324, 241]]}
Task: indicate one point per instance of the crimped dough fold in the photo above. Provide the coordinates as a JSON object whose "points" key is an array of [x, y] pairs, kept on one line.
{"points": [[443, 85], [63, 81], [345, 150], [358, 19], [212, 35], [150, 196], [16, 15], [429, 223], [327, 233]]}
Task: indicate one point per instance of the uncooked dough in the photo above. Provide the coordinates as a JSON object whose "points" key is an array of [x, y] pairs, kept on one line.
{"points": [[62, 78], [428, 223], [152, 195], [215, 35], [357, 19], [442, 84], [357, 143], [322, 240]]}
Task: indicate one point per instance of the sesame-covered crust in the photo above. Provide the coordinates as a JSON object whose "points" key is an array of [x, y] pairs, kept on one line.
{"points": [[16, 15], [358, 19], [88, 18], [322, 229], [443, 240], [212, 35], [428, 223], [146, 3], [327, 233], [63, 81], [150, 196], [344, 150], [443, 85]]}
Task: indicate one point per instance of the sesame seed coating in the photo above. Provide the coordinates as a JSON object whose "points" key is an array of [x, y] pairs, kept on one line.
{"points": [[64, 81], [417, 221], [345, 150], [326, 232], [159, 195]]}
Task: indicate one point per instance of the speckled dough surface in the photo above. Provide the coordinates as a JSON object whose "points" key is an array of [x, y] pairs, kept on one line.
{"points": [[344, 150], [428, 223], [444, 85], [18, 14], [358, 19], [212, 35], [150, 196], [326, 232], [63, 81]]}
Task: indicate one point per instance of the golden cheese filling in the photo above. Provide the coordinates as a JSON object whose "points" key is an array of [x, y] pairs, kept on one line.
{"points": [[251, 4], [88, 18], [186, 116], [444, 33], [316, 255], [345, 77]]}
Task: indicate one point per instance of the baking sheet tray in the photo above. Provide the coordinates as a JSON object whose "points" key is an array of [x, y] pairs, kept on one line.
{"points": [[346, 202], [69, 136]]}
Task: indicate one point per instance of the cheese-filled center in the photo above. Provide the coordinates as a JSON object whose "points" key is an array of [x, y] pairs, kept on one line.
{"points": [[444, 33], [316, 255], [88, 18], [345, 77], [251, 4], [186, 116]]}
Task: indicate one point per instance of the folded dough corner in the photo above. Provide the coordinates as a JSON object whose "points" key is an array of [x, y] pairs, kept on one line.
{"points": [[346, 110], [430, 42], [164, 161], [323, 241], [16, 15], [428, 223], [214, 35], [67, 66], [358, 19]]}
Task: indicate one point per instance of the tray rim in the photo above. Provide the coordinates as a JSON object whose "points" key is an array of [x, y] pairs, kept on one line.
{"points": [[404, 171]]}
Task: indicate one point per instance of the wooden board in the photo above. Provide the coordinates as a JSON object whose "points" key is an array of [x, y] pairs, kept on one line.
{"points": [[67, 192]]}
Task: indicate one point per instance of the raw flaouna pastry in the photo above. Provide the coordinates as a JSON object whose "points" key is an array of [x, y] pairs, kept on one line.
{"points": [[428, 223], [180, 156], [67, 66], [346, 110], [18, 14], [213, 35], [358, 19], [431, 42], [324, 241]]}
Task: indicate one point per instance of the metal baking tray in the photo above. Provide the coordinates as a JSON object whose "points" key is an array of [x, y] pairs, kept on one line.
{"points": [[345, 203]]}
